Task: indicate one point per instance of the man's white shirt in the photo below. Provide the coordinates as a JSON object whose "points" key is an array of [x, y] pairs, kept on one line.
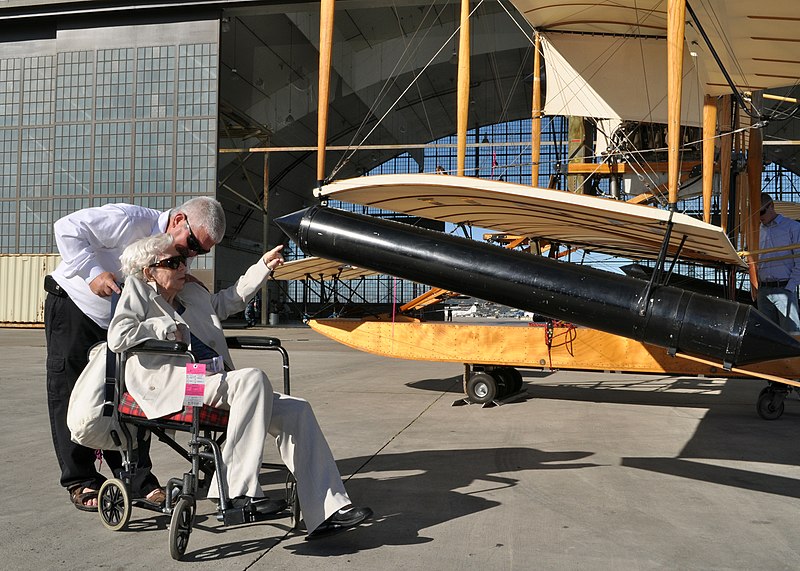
{"points": [[91, 241]]}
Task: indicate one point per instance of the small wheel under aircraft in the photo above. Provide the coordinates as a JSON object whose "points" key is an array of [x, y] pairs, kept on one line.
{"points": [[180, 527], [770, 404], [511, 379], [517, 378], [481, 388], [505, 382], [114, 504]]}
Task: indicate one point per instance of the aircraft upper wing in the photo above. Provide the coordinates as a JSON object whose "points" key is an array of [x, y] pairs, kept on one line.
{"points": [[593, 48], [589, 222], [318, 269]]}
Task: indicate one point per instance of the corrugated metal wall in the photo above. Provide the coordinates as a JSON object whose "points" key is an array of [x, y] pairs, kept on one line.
{"points": [[21, 291]]}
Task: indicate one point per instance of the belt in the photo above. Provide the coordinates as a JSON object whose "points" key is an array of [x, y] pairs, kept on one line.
{"points": [[777, 283], [51, 286]]}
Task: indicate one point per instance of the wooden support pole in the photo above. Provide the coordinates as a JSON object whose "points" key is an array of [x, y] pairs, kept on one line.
{"points": [[536, 113], [725, 147], [709, 132], [265, 238], [738, 183], [755, 161], [326, 11], [463, 88], [676, 25]]}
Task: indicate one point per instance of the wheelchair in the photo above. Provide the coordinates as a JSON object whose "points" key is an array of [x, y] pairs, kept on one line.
{"points": [[206, 428]]}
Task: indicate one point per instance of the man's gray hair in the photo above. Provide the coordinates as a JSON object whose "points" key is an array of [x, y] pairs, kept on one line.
{"points": [[136, 257], [205, 212]]}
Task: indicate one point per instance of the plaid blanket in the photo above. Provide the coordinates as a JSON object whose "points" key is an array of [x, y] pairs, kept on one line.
{"points": [[211, 418]]}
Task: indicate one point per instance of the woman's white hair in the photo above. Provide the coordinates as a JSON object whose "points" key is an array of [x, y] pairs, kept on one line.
{"points": [[136, 257]]}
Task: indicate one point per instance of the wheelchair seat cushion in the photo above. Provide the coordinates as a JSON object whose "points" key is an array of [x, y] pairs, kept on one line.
{"points": [[210, 417]]}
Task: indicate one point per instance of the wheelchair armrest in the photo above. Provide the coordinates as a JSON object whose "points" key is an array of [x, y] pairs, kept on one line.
{"points": [[252, 342], [159, 346], [267, 343]]}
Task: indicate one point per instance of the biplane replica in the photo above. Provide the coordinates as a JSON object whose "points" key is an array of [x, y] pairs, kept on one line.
{"points": [[600, 322]]}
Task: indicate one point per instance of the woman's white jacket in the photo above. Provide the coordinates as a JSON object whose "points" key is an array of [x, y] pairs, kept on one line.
{"points": [[157, 382]]}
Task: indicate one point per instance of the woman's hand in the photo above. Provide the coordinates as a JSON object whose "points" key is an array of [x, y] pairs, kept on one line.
{"points": [[273, 258]]}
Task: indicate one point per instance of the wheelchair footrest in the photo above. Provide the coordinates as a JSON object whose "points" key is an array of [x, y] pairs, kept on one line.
{"points": [[258, 511], [235, 516]]}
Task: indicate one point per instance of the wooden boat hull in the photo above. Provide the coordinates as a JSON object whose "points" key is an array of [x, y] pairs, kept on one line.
{"points": [[522, 346]]}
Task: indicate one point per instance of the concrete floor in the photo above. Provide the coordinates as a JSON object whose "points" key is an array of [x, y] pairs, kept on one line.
{"points": [[591, 471]]}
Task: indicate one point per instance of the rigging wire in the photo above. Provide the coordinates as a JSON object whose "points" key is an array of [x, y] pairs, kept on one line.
{"points": [[737, 94], [506, 99], [392, 77], [720, 31], [641, 54], [348, 155], [632, 156]]}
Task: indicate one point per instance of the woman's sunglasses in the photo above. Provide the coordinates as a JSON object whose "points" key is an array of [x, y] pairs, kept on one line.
{"points": [[193, 243], [172, 263]]}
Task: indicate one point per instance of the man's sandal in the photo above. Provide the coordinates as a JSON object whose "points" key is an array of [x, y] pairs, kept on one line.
{"points": [[157, 497], [80, 498]]}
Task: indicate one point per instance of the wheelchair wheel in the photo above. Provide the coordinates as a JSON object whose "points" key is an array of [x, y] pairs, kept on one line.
{"points": [[114, 504], [766, 406], [180, 527]]}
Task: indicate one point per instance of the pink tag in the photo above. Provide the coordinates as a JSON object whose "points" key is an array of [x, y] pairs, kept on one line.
{"points": [[195, 384]]}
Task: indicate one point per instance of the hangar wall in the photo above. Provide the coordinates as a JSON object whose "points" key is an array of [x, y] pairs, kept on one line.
{"points": [[90, 116]]}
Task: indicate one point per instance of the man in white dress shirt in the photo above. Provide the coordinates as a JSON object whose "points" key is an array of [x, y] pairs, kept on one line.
{"points": [[778, 272], [78, 311]]}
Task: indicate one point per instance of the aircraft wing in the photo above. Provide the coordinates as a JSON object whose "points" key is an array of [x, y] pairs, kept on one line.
{"points": [[318, 269], [590, 222], [593, 48]]}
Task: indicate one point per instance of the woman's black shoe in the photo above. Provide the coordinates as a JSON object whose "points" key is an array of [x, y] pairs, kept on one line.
{"points": [[343, 519]]}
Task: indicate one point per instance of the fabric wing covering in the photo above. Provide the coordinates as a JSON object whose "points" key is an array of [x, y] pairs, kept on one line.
{"points": [[619, 51], [318, 269], [589, 222]]}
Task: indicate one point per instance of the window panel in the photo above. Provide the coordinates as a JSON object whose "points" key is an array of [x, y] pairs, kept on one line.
{"points": [[37, 90], [74, 86], [112, 158], [10, 84], [72, 166], [197, 80], [35, 177], [9, 157], [114, 91], [196, 157], [36, 227], [155, 82], [153, 164], [8, 226]]}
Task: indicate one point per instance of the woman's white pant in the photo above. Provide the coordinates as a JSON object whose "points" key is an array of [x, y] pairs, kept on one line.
{"points": [[256, 410]]}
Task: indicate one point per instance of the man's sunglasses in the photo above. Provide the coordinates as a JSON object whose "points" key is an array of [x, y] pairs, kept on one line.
{"points": [[172, 263], [193, 243], [763, 211]]}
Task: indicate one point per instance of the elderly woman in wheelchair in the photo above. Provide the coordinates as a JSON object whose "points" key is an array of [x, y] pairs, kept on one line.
{"points": [[161, 301]]}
